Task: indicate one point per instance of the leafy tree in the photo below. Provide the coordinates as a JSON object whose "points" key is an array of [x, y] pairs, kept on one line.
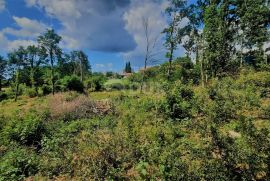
{"points": [[176, 12], [17, 61], [254, 21], [35, 57], [81, 63], [219, 29], [49, 41], [3, 64], [128, 68], [65, 65]]}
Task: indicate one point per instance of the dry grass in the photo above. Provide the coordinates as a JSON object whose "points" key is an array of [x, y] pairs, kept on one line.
{"points": [[70, 106]]}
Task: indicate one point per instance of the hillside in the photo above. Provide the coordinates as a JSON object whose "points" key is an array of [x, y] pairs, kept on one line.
{"points": [[219, 132]]}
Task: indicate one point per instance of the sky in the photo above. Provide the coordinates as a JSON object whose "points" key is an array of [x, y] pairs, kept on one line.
{"points": [[110, 32]]}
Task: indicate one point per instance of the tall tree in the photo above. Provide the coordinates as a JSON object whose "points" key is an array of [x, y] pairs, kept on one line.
{"points": [[17, 61], [219, 31], [35, 57], [81, 63], [176, 12], [150, 47], [3, 64], [254, 21], [128, 68], [49, 41]]}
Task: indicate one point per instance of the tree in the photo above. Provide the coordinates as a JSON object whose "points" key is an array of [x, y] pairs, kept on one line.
{"points": [[49, 41], [81, 63], [254, 21], [128, 68], [150, 49], [176, 12], [3, 64], [219, 33], [17, 61], [34, 58]]}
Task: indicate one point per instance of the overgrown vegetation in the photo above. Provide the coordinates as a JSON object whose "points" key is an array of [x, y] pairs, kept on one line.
{"points": [[206, 119]]}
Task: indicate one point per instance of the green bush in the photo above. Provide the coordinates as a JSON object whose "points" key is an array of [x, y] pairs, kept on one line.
{"points": [[17, 164], [31, 92], [46, 89], [3, 96], [178, 101], [95, 82], [26, 131], [71, 83]]}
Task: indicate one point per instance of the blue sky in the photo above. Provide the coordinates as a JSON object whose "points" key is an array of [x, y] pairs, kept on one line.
{"points": [[110, 32]]}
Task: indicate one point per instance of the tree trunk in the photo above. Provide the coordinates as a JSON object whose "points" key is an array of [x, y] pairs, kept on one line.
{"points": [[52, 73], [170, 61], [202, 72], [16, 86], [0, 84], [81, 70]]}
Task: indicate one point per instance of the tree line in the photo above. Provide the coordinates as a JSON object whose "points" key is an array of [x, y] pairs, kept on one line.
{"points": [[42, 64], [223, 35]]}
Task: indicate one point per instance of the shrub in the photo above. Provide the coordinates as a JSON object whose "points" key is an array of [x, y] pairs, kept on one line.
{"points": [[178, 102], [71, 83], [3, 96], [27, 131], [95, 83], [18, 164], [31, 92], [46, 89]]}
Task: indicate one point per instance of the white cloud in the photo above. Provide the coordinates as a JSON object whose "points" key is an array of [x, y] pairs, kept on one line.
{"points": [[2, 5], [26, 34], [134, 24], [12, 45], [27, 27]]}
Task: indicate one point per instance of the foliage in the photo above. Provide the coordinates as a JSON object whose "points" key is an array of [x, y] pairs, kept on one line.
{"points": [[71, 83], [178, 102], [18, 164], [25, 131], [95, 82]]}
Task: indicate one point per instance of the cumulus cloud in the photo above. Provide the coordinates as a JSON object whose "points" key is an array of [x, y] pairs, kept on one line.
{"points": [[151, 11], [12, 45], [91, 24], [26, 33], [27, 27], [2, 5]]}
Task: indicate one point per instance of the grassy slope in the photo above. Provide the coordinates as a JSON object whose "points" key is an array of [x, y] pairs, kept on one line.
{"points": [[137, 113]]}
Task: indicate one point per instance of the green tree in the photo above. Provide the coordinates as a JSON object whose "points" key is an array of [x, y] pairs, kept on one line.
{"points": [[35, 57], [49, 41], [254, 21], [219, 31], [128, 68], [81, 63], [17, 61], [176, 13], [3, 64]]}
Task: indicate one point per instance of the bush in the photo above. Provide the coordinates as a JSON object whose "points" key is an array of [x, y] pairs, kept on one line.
{"points": [[27, 131], [46, 89], [31, 92], [18, 164], [71, 83], [96, 82], [3, 96], [178, 102]]}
